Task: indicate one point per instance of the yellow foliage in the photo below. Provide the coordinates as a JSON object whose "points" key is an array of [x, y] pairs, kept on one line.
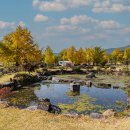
{"points": [[49, 56]]}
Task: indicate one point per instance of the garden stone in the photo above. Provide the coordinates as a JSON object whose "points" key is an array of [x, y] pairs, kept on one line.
{"points": [[109, 113], [72, 115], [49, 78], [96, 115], [55, 80], [128, 86], [31, 108], [3, 104], [91, 75], [44, 104], [55, 109]]}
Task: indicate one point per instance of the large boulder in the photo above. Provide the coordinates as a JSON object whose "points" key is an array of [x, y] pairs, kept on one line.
{"points": [[31, 108], [55, 109], [109, 113], [46, 105]]}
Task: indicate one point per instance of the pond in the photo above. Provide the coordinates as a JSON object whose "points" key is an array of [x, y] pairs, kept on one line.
{"points": [[62, 94]]}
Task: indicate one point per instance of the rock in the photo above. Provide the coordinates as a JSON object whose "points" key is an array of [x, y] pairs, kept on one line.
{"points": [[49, 78], [44, 104], [103, 85], [3, 104], [31, 108], [116, 87], [75, 86], [46, 73], [72, 115], [55, 80], [89, 83], [8, 84], [91, 75], [55, 109], [96, 115], [109, 113], [128, 86]]}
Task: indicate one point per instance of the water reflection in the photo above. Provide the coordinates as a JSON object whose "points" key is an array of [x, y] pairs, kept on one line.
{"points": [[62, 94]]}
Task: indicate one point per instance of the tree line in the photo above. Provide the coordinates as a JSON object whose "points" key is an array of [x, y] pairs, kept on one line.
{"points": [[95, 56], [18, 47]]}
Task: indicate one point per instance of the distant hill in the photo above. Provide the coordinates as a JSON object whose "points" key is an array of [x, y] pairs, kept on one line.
{"points": [[110, 50]]}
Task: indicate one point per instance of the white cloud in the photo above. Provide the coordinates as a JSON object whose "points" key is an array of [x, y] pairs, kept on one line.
{"points": [[87, 29], [107, 6], [49, 6], [81, 19], [67, 29], [4, 24], [59, 5], [89, 21], [11, 25], [110, 6], [40, 18], [125, 30], [109, 24]]}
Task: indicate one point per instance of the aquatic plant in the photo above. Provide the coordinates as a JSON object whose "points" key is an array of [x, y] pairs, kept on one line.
{"points": [[119, 104], [83, 104], [22, 98], [72, 94]]}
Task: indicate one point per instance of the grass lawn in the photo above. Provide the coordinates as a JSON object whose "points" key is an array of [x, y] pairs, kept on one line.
{"points": [[6, 78], [15, 119]]}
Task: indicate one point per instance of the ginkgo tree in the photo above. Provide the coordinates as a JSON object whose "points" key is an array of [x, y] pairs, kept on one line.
{"points": [[117, 55], [127, 54], [49, 56], [19, 47]]}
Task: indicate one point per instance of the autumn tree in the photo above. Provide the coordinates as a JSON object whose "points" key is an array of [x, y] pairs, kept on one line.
{"points": [[63, 55], [79, 56], [5, 52], [89, 55], [98, 55], [49, 56], [71, 54], [22, 47], [117, 55], [127, 54]]}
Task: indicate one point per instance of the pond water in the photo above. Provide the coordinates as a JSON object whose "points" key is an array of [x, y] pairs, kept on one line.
{"points": [[62, 94]]}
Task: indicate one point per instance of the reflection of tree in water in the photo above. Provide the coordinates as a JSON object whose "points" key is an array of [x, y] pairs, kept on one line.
{"points": [[22, 98], [119, 104]]}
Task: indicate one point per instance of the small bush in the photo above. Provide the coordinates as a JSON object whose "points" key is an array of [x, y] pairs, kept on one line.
{"points": [[76, 69], [26, 79]]}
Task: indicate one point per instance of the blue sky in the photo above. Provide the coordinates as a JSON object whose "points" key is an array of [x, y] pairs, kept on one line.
{"points": [[63, 23]]}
